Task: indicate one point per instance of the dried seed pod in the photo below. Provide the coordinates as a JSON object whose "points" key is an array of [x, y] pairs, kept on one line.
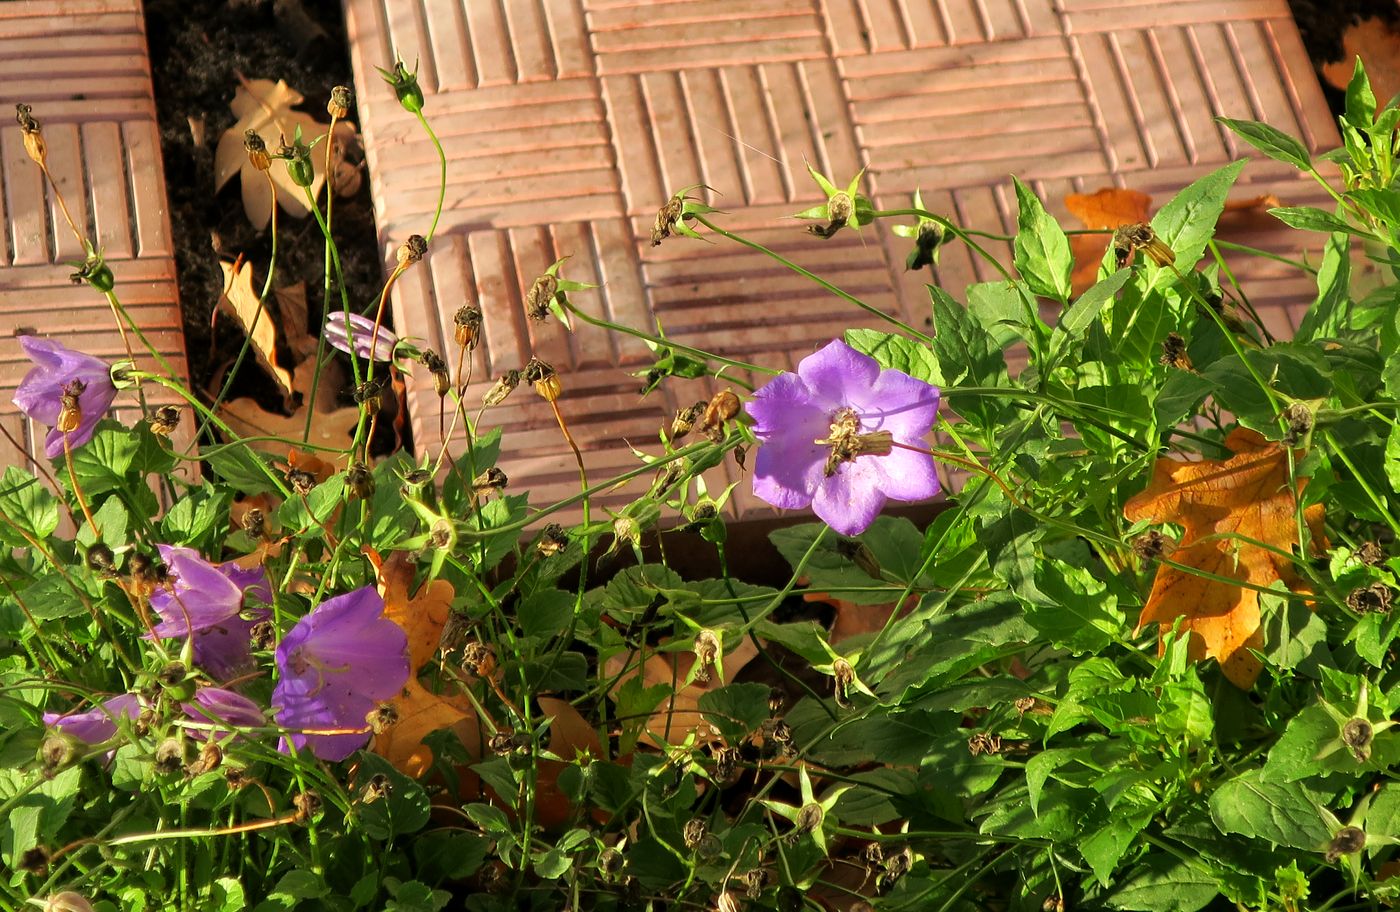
{"points": [[255, 523], [370, 394], [756, 881], [1300, 420], [382, 718], [466, 326], [412, 250], [35, 861], [1371, 554], [1152, 545], [210, 758], [1357, 735], [1374, 598], [553, 540], [685, 419], [1348, 841], [96, 273], [723, 406], [307, 804], [493, 479], [478, 660], [503, 387], [844, 678], [164, 420], [34, 145], [544, 378], [538, 298], [100, 560], [706, 648], [70, 412], [376, 789], [726, 769], [360, 480], [339, 105], [984, 743], [442, 380], [263, 635], [170, 756], [302, 481], [666, 218], [258, 155], [237, 778]]}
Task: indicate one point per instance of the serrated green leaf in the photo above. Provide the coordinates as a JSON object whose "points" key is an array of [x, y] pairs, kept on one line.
{"points": [[1271, 141], [1187, 223], [1041, 250], [1283, 813]]}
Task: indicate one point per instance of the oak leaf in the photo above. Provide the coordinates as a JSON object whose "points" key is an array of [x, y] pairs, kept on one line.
{"points": [[1109, 207], [266, 107], [332, 427], [676, 716], [1224, 507], [1377, 43], [419, 711], [246, 304]]}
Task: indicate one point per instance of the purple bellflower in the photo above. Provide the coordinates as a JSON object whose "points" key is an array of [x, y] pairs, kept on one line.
{"points": [[98, 724], [58, 372], [828, 433], [363, 332], [206, 602], [217, 705], [335, 665]]}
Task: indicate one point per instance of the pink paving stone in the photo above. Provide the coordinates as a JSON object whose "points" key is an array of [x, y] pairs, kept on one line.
{"points": [[83, 66], [569, 122]]}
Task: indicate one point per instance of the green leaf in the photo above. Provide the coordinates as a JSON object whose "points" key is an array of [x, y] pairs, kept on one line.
{"points": [[403, 808], [1179, 397], [1310, 218], [1327, 315], [309, 514], [1165, 883], [242, 468], [1000, 308], [445, 855], [26, 503], [196, 518], [1384, 204], [102, 463], [1079, 315], [1010, 544], [1283, 813], [1360, 99], [1187, 223], [964, 349], [1272, 142], [736, 709], [1078, 613], [1042, 254], [894, 352], [546, 613]]}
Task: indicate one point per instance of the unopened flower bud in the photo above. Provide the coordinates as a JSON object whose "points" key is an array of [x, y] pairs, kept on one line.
{"points": [[299, 166], [553, 540], [360, 480], [405, 86], [164, 420], [412, 250], [258, 156], [502, 388], [34, 145], [96, 273], [466, 326], [538, 298], [545, 380], [67, 901], [339, 105]]}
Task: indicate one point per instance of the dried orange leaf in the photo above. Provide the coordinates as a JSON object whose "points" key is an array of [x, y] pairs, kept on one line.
{"points": [[257, 321], [1377, 43], [331, 427], [676, 716], [1223, 506], [420, 712], [1106, 208]]}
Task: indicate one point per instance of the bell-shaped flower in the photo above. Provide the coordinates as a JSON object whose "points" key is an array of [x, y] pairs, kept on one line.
{"points": [[98, 724], [335, 665], [223, 707], [64, 385], [207, 602], [356, 339], [833, 436]]}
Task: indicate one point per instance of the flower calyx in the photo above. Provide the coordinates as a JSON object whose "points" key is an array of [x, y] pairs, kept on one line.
{"points": [[405, 86], [549, 294], [1129, 239], [34, 145], [929, 235], [671, 219], [843, 208]]}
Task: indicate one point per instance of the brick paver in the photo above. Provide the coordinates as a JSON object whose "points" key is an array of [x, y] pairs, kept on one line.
{"points": [[83, 66], [569, 122]]}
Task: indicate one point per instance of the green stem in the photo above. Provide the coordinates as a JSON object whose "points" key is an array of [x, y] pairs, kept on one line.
{"points": [[442, 179]]}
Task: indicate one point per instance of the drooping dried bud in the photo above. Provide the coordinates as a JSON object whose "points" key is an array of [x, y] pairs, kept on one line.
{"points": [[210, 758], [70, 413], [237, 778], [339, 105], [361, 480], [1152, 545], [545, 380], [1300, 420], [34, 145], [777, 702], [1129, 239], [301, 480], [258, 156], [755, 881], [706, 647], [478, 660], [1370, 553], [164, 420], [370, 394], [1174, 353], [382, 718], [466, 326], [984, 743], [694, 832], [685, 419], [726, 770], [844, 678], [723, 406], [1053, 903], [307, 804], [553, 540], [170, 756], [412, 250], [35, 861], [442, 380], [1348, 841], [503, 387], [538, 298], [897, 864], [493, 479], [1374, 598], [100, 560], [1357, 735], [666, 218]]}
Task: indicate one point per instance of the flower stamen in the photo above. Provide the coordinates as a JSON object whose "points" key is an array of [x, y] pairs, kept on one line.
{"points": [[847, 442]]}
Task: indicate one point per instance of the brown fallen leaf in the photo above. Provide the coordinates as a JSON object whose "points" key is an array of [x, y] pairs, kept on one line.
{"points": [[291, 308], [1109, 207], [266, 107], [676, 716], [331, 427], [420, 712], [853, 619], [1377, 43], [1214, 501], [243, 301]]}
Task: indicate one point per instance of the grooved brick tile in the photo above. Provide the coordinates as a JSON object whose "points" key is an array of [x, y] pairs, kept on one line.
{"points": [[83, 66], [569, 122]]}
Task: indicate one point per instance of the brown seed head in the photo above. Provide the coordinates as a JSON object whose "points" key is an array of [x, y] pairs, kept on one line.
{"points": [[170, 756], [258, 155], [164, 420], [1371, 553], [339, 105], [1357, 735], [1152, 545], [544, 378], [301, 480], [1300, 420], [255, 523], [706, 648], [360, 480], [478, 660], [493, 479], [1374, 598], [685, 419], [307, 804], [666, 218], [1348, 841], [503, 387], [553, 540], [210, 758], [1174, 352], [466, 326], [694, 832], [412, 250], [100, 560], [442, 379], [70, 414], [538, 298], [34, 145]]}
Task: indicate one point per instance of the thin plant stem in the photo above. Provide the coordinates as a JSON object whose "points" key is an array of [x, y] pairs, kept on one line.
{"points": [[442, 177]]}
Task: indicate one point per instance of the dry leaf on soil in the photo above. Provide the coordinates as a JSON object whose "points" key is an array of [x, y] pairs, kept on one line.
{"points": [[331, 427], [420, 711], [676, 716], [1377, 43], [257, 321], [1218, 503], [291, 307], [266, 106], [1109, 207]]}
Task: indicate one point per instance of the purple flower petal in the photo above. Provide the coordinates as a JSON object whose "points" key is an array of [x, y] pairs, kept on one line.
{"points": [[850, 500], [335, 665], [789, 464], [215, 704], [98, 724], [906, 475], [40, 393], [363, 330], [206, 602], [837, 373]]}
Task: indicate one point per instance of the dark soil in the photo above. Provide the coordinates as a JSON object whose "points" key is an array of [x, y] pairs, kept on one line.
{"points": [[1322, 24], [198, 51]]}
